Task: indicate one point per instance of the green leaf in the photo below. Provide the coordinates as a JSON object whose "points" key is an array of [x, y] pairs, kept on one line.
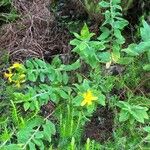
{"points": [[77, 35], [79, 78], [4, 2], [82, 46], [142, 47], [36, 104], [90, 109], [123, 116], [137, 113], [96, 46], [85, 85], [65, 78], [105, 33], [12, 147], [147, 129], [118, 7], [144, 114], [39, 135], [29, 64], [107, 18], [32, 76], [63, 94], [59, 76], [56, 62], [38, 142], [85, 34], [137, 116], [101, 100], [142, 111], [104, 56], [71, 67], [122, 104], [77, 100], [26, 131], [49, 130], [146, 67], [51, 76], [104, 4], [54, 98], [92, 61], [75, 42], [130, 50], [120, 39], [26, 106], [32, 146], [40, 62], [116, 52], [45, 95], [42, 77], [116, 2], [148, 55], [145, 30], [85, 30], [120, 24]]}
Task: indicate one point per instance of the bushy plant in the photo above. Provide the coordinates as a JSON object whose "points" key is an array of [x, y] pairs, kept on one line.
{"points": [[76, 95]]}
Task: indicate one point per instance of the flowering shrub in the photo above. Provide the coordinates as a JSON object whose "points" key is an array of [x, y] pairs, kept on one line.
{"points": [[73, 96]]}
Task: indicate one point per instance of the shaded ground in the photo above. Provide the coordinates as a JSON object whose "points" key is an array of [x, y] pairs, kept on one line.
{"points": [[101, 125]]}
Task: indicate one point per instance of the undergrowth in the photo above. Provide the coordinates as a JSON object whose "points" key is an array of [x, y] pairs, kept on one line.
{"points": [[7, 12], [105, 75]]}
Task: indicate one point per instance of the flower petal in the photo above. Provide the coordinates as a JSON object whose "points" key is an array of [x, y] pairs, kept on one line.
{"points": [[89, 103], [16, 65], [7, 75]]}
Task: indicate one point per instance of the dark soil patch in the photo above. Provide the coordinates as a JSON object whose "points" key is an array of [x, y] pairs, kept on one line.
{"points": [[47, 109], [100, 127], [72, 10]]}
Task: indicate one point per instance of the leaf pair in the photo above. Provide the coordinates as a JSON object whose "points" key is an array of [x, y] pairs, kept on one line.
{"points": [[132, 112], [35, 133]]}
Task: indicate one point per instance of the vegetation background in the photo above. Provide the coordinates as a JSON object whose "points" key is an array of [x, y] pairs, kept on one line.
{"points": [[74, 75]]}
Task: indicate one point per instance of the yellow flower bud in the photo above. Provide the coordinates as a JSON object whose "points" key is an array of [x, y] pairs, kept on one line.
{"points": [[88, 98]]}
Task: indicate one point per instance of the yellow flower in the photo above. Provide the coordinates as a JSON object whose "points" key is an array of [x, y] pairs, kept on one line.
{"points": [[22, 78], [16, 65], [13, 76], [88, 98], [18, 84], [9, 76]]}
